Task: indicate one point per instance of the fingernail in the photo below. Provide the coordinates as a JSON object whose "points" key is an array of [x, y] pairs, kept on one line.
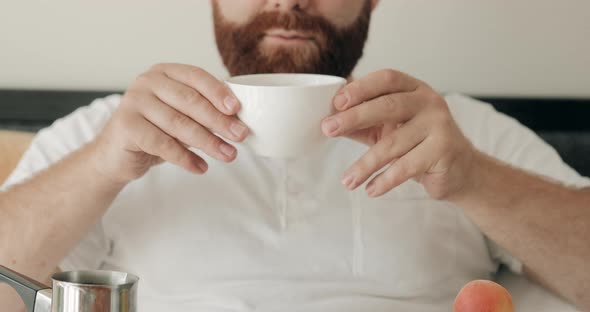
{"points": [[238, 129], [227, 150], [330, 125], [348, 181], [341, 100], [230, 103], [371, 189]]}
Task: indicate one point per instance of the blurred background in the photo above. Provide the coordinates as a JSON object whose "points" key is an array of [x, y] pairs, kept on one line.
{"points": [[529, 58], [495, 48]]}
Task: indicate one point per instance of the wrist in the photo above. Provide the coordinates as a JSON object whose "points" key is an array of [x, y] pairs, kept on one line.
{"points": [[97, 163], [475, 178]]}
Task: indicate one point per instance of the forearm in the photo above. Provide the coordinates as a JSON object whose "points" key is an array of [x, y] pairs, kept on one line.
{"points": [[42, 219], [542, 223]]}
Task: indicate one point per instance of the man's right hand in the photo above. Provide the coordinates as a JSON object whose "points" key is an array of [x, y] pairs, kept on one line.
{"points": [[167, 110]]}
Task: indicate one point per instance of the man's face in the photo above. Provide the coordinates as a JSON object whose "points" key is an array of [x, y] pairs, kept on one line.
{"points": [[291, 36]]}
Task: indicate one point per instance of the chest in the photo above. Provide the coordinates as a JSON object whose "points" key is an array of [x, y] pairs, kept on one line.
{"points": [[281, 221]]}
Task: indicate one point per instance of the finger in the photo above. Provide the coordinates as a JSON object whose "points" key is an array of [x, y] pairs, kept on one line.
{"points": [[191, 103], [367, 137], [372, 135], [155, 142], [392, 108], [390, 147], [374, 85], [214, 90], [186, 130], [415, 162]]}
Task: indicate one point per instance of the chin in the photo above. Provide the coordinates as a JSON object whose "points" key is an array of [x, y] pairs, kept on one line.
{"points": [[290, 56]]}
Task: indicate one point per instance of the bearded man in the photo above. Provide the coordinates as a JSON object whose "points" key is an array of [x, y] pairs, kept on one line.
{"points": [[415, 194]]}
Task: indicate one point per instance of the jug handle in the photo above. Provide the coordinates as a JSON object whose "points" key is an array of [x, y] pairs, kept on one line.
{"points": [[36, 296]]}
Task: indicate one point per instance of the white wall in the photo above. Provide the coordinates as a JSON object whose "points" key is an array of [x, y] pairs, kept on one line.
{"points": [[490, 47]]}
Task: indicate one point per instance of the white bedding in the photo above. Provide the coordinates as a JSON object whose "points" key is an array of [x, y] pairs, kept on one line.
{"points": [[530, 297]]}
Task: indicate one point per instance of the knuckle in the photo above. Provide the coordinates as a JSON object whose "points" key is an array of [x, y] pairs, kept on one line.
{"points": [[166, 143], [190, 96], [183, 156], [388, 142], [402, 168], [354, 89], [132, 98], [389, 105], [391, 76], [143, 79], [195, 74], [438, 110], [212, 142], [179, 121], [176, 153], [215, 118], [443, 119], [159, 67], [370, 161], [146, 142], [374, 136], [436, 100], [220, 90], [220, 120]]}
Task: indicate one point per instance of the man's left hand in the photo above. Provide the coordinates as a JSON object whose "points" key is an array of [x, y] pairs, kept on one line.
{"points": [[409, 129]]}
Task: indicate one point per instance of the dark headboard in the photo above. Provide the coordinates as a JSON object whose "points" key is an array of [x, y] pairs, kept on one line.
{"points": [[563, 123]]}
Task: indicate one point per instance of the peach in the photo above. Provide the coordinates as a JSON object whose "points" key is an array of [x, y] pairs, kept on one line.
{"points": [[483, 296]]}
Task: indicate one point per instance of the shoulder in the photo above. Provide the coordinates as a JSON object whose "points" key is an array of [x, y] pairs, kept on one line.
{"points": [[76, 129], [83, 124], [64, 136], [489, 130], [474, 117], [506, 139]]}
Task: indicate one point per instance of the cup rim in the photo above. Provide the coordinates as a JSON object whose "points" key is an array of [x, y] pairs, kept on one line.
{"points": [[62, 277], [329, 80]]}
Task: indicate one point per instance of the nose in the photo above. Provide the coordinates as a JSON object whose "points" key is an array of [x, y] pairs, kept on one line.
{"points": [[288, 5]]}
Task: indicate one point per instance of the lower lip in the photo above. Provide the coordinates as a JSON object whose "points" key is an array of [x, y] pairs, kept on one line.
{"points": [[284, 40]]}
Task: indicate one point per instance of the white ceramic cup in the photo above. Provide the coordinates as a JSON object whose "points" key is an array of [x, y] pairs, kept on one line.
{"points": [[284, 111]]}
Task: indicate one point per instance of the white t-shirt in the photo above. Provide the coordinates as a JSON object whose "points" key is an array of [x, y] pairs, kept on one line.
{"points": [[270, 235]]}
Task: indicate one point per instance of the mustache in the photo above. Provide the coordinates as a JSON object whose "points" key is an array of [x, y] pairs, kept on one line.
{"points": [[293, 21]]}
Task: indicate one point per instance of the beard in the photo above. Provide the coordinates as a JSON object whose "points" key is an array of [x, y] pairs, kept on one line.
{"points": [[331, 51]]}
